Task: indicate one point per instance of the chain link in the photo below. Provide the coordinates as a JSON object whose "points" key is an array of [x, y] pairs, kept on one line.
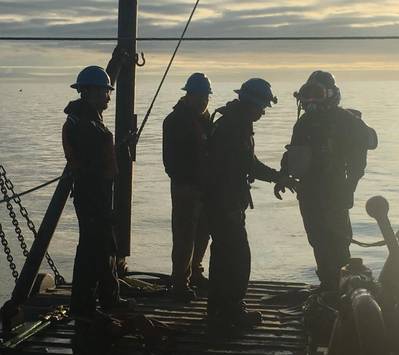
{"points": [[59, 279], [7, 250], [13, 217]]}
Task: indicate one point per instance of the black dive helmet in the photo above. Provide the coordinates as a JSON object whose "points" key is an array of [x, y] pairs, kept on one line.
{"points": [[319, 93]]}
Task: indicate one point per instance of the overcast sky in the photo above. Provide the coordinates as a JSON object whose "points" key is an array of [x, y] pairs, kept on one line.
{"points": [[213, 18]]}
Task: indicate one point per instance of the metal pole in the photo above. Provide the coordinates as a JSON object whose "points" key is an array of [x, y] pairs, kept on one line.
{"points": [[125, 122]]}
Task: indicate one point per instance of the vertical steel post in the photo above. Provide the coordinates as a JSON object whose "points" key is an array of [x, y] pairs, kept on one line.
{"points": [[125, 122]]}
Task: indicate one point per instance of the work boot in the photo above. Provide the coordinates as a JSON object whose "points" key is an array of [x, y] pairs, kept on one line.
{"points": [[124, 303], [200, 282], [121, 304], [183, 294], [247, 319], [219, 325], [238, 317], [121, 266]]}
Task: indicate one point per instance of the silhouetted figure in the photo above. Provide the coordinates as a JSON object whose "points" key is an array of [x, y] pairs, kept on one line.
{"points": [[185, 145], [234, 166], [89, 150], [327, 154]]}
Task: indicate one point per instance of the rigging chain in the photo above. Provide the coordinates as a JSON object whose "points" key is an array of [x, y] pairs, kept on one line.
{"points": [[7, 250], [5, 184], [13, 217]]}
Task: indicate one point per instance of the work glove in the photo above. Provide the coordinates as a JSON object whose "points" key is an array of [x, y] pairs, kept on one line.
{"points": [[284, 182], [119, 58], [120, 55]]}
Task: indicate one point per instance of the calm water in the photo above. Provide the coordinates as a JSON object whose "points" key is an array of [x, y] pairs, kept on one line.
{"points": [[30, 149]]}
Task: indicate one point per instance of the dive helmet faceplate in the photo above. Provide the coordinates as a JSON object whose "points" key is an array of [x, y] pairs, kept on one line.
{"points": [[319, 92]]}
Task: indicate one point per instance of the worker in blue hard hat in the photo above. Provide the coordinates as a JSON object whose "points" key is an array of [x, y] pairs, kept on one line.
{"points": [[185, 143], [92, 76], [89, 150], [233, 167]]}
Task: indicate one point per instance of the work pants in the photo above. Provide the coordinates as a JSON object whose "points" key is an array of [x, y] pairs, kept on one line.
{"points": [[230, 262], [95, 261], [190, 233], [329, 233]]}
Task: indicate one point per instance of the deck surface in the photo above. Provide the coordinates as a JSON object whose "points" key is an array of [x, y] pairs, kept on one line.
{"points": [[281, 332]]}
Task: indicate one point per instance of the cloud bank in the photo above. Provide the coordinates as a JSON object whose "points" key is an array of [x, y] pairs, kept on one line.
{"points": [[219, 18], [98, 18]]}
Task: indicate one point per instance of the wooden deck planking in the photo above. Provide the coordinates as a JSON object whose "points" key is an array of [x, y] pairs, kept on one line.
{"points": [[279, 334]]}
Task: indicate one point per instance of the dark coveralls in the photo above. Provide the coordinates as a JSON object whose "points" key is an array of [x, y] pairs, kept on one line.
{"points": [[89, 150], [325, 192], [233, 165], [185, 139]]}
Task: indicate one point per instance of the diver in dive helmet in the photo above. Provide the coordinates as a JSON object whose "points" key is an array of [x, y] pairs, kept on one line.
{"points": [[319, 93], [328, 156]]}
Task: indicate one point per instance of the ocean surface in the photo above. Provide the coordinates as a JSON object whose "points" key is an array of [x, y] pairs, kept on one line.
{"points": [[30, 149]]}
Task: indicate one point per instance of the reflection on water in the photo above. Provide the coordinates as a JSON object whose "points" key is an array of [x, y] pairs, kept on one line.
{"points": [[30, 149]]}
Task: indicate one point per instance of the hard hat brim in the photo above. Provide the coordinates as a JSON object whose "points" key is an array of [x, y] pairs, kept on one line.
{"points": [[257, 102], [209, 92], [76, 86]]}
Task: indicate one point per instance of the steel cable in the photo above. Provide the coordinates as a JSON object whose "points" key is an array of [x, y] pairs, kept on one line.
{"points": [[165, 74], [14, 196]]}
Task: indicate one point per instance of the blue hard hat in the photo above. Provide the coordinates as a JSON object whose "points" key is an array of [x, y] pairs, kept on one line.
{"points": [[93, 76], [257, 91], [198, 83]]}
